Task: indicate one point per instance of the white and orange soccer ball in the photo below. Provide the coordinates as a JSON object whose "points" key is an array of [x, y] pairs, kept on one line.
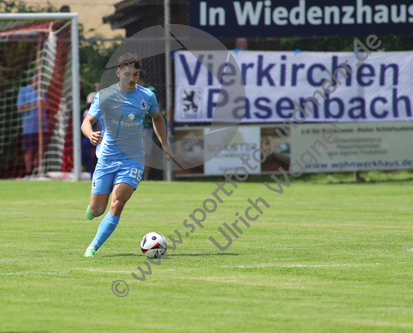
{"points": [[154, 245]]}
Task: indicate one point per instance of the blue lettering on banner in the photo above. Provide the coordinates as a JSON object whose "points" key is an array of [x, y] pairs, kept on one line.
{"points": [[336, 69], [361, 73], [383, 69], [327, 105], [373, 108], [210, 69], [262, 107], [191, 78], [361, 108], [261, 73], [242, 111], [228, 70], [310, 74], [296, 68], [324, 84], [313, 106], [211, 104], [280, 107], [244, 68], [397, 100]]}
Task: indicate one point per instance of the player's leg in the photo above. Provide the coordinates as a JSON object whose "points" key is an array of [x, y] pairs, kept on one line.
{"points": [[97, 206], [35, 160], [34, 146], [125, 183], [101, 188], [27, 152], [102, 183], [99, 202], [28, 160], [120, 195]]}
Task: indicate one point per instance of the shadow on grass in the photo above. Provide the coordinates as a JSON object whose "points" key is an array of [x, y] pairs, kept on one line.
{"points": [[202, 254], [174, 255]]}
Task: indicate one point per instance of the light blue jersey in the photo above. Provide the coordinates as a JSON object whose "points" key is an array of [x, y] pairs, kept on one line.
{"points": [[30, 119], [122, 114]]}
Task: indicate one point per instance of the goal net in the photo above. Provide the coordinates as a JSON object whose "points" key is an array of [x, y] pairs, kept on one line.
{"points": [[36, 96]]}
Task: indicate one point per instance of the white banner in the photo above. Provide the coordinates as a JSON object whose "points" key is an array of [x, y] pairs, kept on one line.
{"points": [[242, 144], [368, 146], [379, 89]]}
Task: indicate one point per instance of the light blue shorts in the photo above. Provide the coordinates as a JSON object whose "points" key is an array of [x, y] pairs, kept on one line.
{"points": [[109, 173]]}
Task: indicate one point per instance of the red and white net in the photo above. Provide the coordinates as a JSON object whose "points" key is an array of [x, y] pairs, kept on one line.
{"points": [[35, 98]]}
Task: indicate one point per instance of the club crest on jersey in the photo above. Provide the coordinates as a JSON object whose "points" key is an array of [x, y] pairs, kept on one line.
{"points": [[131, 116], [143, 105]]}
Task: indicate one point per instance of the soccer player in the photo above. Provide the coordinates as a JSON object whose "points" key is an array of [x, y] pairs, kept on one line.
{"points": [[122, 107]]}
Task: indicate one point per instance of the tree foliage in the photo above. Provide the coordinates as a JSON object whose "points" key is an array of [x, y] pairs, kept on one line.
{"points": [[93, 57], [13, 6]]}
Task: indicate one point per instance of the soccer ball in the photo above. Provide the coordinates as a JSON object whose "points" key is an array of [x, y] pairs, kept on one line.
{"points": [[154, 245]]}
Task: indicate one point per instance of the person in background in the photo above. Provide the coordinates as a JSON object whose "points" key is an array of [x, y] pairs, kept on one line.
{"points": [[82, 94], [241, 44], [147, 126], [89, 159], [27, 106], [65, 9]]}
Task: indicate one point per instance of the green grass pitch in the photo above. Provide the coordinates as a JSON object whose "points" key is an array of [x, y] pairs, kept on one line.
{"points": [[321, 258]]}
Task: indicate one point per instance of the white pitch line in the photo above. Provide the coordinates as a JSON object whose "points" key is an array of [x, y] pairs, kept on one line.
{"points": [[299, 265], [337, 265], [40, 273], [183, 268], [65, 272]]}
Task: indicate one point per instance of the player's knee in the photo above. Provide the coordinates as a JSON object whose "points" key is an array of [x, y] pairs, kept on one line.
{"points": [[117, 205], [96, 210]]}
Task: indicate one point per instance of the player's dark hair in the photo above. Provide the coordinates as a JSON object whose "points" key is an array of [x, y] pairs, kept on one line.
{"points": [[129, 60]]}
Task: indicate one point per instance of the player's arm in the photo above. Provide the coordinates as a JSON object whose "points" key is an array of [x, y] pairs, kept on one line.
{"points": [[160, 131], [27, 107], [23, 106], [94, 137]]}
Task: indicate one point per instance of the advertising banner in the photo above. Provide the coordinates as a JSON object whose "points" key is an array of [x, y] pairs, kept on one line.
{"points": [[367, 146], [376, 90], [242, 145], [301, 18], [328, 147], [193, 146]]}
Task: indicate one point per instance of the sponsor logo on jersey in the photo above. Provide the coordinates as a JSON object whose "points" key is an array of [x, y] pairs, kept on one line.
{"points": [[126, 123]]}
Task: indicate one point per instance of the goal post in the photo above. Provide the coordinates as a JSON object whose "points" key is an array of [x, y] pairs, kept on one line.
{"points": [[41, 60]]}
